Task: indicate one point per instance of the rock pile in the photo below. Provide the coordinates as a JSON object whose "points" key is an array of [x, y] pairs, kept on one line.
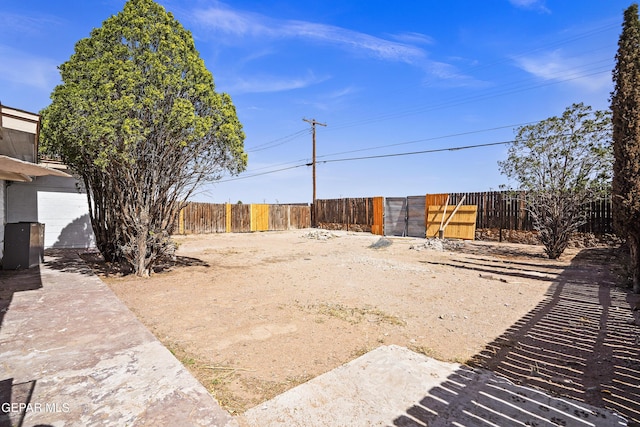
{"points": [[381, 243], [319, 235], [437, 245]]}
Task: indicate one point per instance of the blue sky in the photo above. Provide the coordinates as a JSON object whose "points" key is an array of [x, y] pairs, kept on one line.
{"points": [[386, 78]]}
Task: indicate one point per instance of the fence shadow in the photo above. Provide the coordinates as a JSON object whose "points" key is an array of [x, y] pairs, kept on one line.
{"points": [[581, 342], [474, 397]]}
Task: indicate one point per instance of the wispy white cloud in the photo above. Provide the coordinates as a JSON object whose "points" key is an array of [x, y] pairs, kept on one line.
{"points": [[226, 21], [538, 5], [450, 76], [332, 100], [557, 66], [19, 68], [413, 38], [263, 84], [26, 25], [341, 93]]}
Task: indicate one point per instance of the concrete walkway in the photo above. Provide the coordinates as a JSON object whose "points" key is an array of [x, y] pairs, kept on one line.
{"points": [[72, 354]]}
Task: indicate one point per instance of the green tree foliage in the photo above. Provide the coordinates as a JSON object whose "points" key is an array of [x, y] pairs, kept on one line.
{"points": [[625, 106], [562, 163], [137, 117]]}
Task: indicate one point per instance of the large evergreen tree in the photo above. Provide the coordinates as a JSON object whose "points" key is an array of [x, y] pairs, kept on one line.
{"points": [[137, 117], [625, 106]]}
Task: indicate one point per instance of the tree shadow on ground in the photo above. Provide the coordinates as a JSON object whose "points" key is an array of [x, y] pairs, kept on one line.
{"points": [[503, 250], [95, 261], [581, 342]]}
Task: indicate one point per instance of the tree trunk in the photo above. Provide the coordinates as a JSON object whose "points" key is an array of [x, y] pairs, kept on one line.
{"points": [[634, 262], [141, 253]]}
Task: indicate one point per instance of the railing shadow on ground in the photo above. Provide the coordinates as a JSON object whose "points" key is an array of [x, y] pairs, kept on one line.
{"points": [[16, 402], [580, 342]]}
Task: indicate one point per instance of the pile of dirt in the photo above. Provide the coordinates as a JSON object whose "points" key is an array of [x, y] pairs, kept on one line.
{"points": [[382, 242], [319, 235], [439, 245]]}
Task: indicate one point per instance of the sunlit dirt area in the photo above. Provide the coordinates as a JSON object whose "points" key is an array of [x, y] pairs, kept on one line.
{"points": [[252, 315]]}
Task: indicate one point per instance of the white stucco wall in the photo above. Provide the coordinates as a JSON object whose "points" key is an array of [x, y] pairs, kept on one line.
{"points": [[56, 202]]}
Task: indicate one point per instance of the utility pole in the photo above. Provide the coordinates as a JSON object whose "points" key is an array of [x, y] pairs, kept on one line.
{"points": [[313, 124]]}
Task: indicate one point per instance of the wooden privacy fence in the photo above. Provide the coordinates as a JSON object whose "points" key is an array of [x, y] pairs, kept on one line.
{"points": [[391, 216], [358, 214], [421, 216], [415, 216], [202, 218], [506, 210]]}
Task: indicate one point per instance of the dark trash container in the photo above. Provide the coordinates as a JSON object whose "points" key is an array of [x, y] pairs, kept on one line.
{"points": [[23, 245]]}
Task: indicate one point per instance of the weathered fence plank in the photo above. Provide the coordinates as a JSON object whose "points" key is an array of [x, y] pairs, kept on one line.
{"points": [[346, 214], [200, 218], [279, 217], [240, 218], [299, 217]]}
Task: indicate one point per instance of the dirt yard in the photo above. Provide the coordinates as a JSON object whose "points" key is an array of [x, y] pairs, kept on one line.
{"points": [[252, 315]]}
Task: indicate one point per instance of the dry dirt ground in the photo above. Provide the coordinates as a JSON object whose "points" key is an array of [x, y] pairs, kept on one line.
{"points": [[252, 315]]}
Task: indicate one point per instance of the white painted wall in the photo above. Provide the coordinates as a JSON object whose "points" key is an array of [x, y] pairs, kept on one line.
{"points": [[56, 202]]}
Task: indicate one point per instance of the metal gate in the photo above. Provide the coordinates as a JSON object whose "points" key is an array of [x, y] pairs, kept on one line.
{"points": [[395, 216], [404, 216], [416, 224]]}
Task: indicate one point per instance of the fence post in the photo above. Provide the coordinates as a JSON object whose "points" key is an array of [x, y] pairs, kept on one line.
{"points": [[378, 216], [227, 219], [181, 221]]}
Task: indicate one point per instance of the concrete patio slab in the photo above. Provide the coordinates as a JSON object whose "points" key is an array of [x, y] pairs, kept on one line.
{"points": [[392, 385], [71, 353]]}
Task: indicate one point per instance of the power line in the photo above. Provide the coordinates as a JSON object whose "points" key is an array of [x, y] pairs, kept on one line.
{"points": [[278, 141], [262, 173], [411, 153], [453, 135], [464, 147], [386, 155]]}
